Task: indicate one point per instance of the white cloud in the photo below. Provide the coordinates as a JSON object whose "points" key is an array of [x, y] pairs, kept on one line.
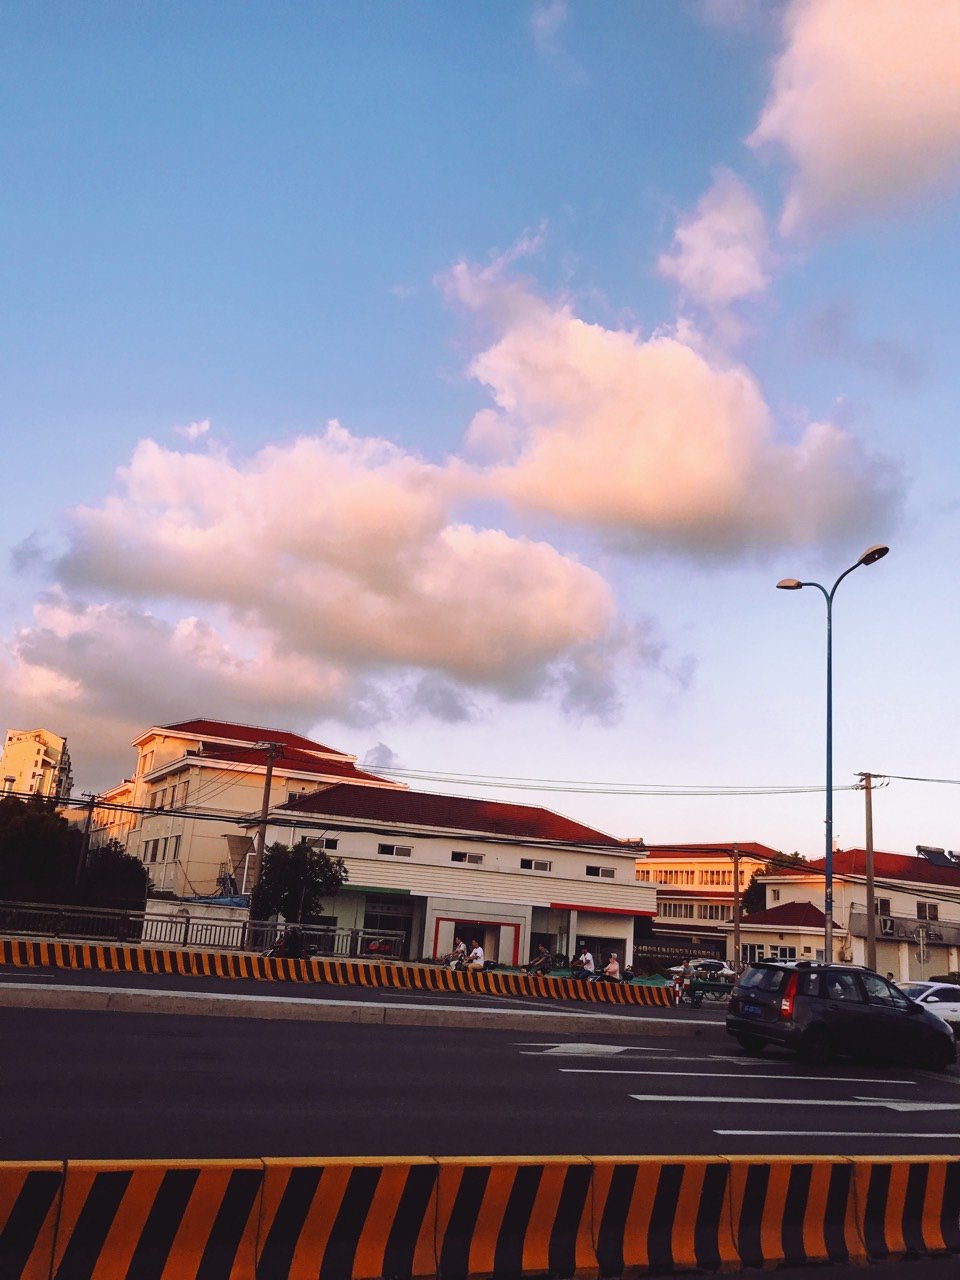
{"points": [[649, 441], [721, 254], [194, 430], [865, 101]]}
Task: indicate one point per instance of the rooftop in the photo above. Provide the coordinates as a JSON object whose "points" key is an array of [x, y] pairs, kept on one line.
{"points": [[229, 732], [457, 813], [791, 914]]}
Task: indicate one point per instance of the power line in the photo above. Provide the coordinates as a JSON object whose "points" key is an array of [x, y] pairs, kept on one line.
{"points": [[651, 789]]}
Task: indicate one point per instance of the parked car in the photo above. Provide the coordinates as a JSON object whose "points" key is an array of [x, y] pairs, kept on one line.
{"points": [[819, 1010], [710, 970], [940, 998]]}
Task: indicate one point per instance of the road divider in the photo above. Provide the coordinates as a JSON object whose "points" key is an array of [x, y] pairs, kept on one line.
{"points": [[365, 973], [472, 1218]]}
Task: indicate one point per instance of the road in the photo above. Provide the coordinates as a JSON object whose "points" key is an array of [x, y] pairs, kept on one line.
{"points": [[131, 1085]]}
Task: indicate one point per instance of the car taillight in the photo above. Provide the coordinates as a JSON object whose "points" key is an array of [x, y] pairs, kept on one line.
{"points": [[787, 999]]}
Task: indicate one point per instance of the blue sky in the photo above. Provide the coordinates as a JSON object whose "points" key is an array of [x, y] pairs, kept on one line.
{"points": [[456, 382]]}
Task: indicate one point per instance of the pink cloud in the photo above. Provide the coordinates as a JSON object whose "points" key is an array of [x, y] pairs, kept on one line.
{"points": [[865, 101], [649, 441]]}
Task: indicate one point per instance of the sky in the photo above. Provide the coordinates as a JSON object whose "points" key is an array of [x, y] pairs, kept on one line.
{"points": [[454, 384]]}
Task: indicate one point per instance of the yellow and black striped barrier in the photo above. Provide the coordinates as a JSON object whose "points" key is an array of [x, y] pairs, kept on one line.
{"points": [[363, 973], [468, 1218]]}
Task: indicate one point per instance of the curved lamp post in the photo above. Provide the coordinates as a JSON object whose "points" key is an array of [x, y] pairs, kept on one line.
{"points": [[870, 556]]}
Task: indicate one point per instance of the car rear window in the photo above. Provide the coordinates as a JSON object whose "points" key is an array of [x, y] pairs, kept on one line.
{"points": [[764, 979]]}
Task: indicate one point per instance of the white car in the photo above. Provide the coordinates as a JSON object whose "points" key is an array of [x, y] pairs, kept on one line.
{"points": [[939, 997], [710, 970]]}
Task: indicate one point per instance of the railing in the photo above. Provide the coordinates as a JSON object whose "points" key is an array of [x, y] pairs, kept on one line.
{"points": [[100, 924]]}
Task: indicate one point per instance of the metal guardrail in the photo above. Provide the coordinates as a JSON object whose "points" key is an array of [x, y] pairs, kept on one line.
{"points": [[99, 924]]}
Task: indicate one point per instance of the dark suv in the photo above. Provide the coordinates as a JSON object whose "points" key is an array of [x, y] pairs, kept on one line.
{"points": [[819, 1010]]}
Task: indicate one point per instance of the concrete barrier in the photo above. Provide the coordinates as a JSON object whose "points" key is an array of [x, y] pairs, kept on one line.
{"points": [[467, 1218], [397, 977]]}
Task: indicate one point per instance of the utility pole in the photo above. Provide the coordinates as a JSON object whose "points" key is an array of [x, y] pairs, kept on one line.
{"points": [[273, 751], [871, 899], [735, 854], [85, 842]]}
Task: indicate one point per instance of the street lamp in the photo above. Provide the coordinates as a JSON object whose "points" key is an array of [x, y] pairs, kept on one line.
{"points": [[870, 556]]}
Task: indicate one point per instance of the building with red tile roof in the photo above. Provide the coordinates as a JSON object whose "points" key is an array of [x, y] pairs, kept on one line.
{"points": [[195, 779], [435, 866], [917, 909]]}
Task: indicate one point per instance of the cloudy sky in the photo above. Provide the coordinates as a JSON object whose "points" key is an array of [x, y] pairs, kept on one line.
{"points": [[455, 383]]}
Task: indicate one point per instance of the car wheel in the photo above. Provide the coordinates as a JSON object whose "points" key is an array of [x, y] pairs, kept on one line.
{"points": [[939, 1054], [816, 1047], [751, 1044]]}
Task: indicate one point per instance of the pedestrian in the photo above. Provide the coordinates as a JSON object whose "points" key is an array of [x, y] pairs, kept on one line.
{"points": [[682, 981]]}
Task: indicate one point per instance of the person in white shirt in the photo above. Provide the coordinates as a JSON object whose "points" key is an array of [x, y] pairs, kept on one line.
{"points": [[475, 958], [583, 966], [459, 954]]}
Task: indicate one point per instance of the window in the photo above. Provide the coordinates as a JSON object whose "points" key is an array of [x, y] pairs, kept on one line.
{"points": [[394, 850], [713, 911], [535, 864], [783, 953], [326, 843], [881, 906], [604, 873], [928, 911], [774, 895], [644, 875], [844, 986], [475, 859], [676, 910], [150, 850]]}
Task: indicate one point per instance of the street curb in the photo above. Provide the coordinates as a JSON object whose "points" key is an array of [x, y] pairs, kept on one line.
{"points": [[304, 1009]]}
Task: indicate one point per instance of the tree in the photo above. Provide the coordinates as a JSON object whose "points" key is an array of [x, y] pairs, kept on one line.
{"points": [[111, 878], [294, 881], [40, 853]]}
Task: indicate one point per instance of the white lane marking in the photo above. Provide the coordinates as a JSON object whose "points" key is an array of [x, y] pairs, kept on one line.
{"points": [[719, 1075], [827, 1133], [891, 1104], [586, 1050]]}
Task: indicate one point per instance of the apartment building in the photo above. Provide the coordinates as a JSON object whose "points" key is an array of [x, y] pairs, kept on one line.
{"points": [[695, 891], [437, 866], [36, 762], [193, 780]]}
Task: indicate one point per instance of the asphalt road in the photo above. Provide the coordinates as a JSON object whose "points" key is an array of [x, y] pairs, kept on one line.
{"points": [[130, 1085]]}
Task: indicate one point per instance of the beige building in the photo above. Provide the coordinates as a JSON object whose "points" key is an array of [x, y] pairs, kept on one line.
{"points": [[917, 904], [695, 891], [35, 762], [193, 780]]}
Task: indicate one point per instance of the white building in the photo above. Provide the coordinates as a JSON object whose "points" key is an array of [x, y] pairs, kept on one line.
{"points": [[437, 866], [193, 780], [35, 762], [917, 904]]}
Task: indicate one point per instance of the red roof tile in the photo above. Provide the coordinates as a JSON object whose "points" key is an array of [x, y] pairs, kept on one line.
{"points": [[890, 866], [713, 850], [458, 813], [245, 733], [289, 758], [796, 914]]}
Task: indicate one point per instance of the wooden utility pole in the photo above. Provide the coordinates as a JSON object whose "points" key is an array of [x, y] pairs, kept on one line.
{"points": [[273, 751], [871, 899], [735, 854]]}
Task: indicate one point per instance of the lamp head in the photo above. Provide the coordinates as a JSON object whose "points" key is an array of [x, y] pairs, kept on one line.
{"points": [[873, 554], [789, 584]]}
